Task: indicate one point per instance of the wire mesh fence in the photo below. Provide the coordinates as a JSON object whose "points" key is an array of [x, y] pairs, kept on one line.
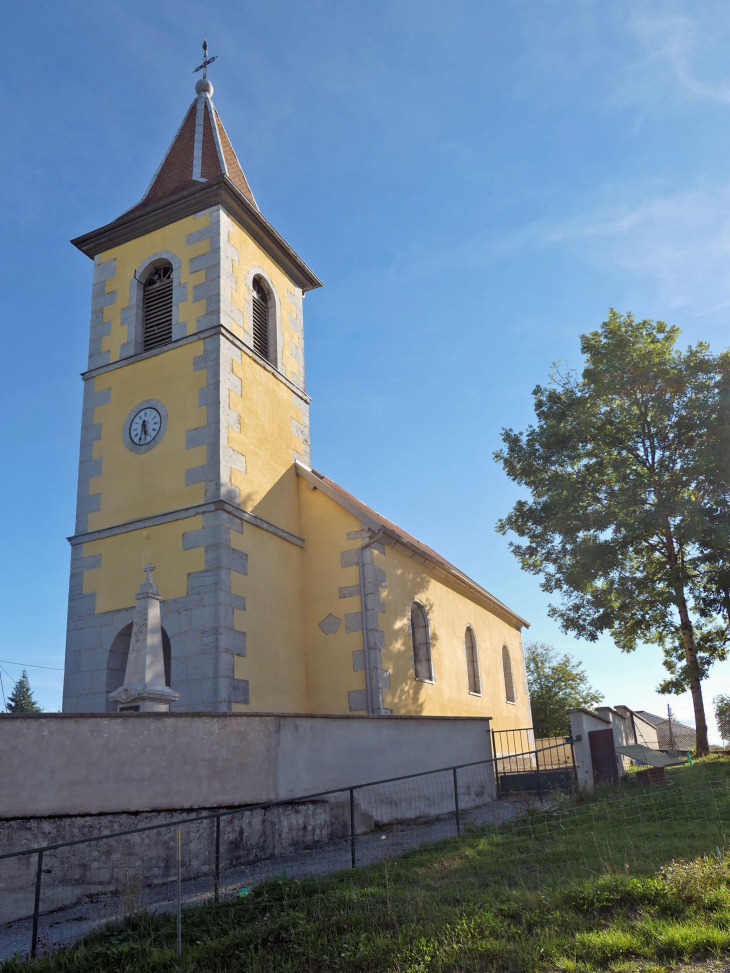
{"points": [[59, 894], [54, 894]]}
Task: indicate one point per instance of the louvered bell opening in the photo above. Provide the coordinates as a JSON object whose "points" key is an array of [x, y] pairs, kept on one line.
{"points": [[158, 308], [260, 320]]}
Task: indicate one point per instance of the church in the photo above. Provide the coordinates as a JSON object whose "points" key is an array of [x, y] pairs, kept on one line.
{"points": [[276, 590]]}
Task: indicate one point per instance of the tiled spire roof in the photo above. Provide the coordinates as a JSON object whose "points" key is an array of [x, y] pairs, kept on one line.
{"points": [[200, 151]]}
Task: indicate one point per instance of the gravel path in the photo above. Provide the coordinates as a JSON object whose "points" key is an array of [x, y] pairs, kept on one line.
{"points": [[67, 925]]}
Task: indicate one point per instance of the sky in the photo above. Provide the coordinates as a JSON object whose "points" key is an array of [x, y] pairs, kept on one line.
{"points": [[475, 182]]}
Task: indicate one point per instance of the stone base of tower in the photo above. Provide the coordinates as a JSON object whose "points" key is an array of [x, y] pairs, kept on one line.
{"points": [[199, 631]]}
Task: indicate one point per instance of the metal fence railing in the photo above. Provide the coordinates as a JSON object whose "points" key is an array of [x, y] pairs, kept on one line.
{"points": [[55, 893]]}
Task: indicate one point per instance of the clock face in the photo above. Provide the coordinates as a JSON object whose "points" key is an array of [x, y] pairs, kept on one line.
{"points": [[144, 426]]}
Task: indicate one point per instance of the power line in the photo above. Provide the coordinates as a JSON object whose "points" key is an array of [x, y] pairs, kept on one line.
{"points": [[29, 665]]}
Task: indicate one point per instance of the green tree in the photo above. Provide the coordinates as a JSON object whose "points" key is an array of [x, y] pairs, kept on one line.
{"points": [[722, 716], [21, 699], [627, 467], [557, 683]]}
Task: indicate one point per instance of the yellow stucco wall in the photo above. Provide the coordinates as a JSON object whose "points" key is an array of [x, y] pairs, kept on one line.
{"points": [[325, 526], [251, 255], [275, 663], [137, 485], [265, 407], [268, 487], [124, 556], [449, 612], [130, 255]]}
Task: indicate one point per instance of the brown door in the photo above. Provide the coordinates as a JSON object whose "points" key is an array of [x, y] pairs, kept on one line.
{"points": [[603, 756]]}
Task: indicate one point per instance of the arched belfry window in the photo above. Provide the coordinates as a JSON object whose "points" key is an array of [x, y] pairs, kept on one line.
{"points": [[472, 661], [421, 643], [158, 307], [509, 683], [260, 310]]}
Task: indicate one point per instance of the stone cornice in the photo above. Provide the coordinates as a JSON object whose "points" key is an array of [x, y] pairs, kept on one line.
{"points": [[217, 329], [183, 513], [219, 191]]}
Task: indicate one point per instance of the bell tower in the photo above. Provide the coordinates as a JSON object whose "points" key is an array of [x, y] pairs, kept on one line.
{"points": [[194, 413]]}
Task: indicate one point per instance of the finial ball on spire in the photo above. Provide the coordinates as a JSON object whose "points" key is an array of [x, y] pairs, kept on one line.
{"points": [[204, 85]]}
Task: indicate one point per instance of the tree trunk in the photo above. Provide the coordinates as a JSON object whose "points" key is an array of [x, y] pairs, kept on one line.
{"points": [[695, 685], [690, 649]]}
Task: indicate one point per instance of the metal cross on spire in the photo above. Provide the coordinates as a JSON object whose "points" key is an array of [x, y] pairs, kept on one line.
{"points": [[206, 60]]}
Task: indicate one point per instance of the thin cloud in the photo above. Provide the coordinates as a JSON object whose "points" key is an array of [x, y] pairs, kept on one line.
{"points": [[674, 38], [681, 241]]}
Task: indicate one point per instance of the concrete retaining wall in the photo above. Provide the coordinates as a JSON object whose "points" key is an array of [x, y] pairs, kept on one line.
{"points": [[105, 763], [103, 773]]}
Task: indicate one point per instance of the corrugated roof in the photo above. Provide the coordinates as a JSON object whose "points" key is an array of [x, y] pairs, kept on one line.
{"points": [[680, 736]]}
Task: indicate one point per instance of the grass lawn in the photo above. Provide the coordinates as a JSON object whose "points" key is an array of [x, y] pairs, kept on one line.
{"points": [[628, 879]]}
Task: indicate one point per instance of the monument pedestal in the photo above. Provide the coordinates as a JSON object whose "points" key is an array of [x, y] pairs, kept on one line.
{"points": [[144, 689]]}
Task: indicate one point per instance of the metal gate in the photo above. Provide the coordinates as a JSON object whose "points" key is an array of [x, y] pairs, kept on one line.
{"points": [[536, 765]]}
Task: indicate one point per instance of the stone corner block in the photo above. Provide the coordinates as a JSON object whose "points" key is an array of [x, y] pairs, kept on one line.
{"points": [[349, 559], [357, 700], [331, 624], [353, 622]]}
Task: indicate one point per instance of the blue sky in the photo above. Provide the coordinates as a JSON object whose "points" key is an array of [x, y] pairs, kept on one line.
{"points": [[475, 182]]}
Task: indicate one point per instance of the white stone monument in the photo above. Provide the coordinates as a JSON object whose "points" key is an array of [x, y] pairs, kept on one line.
{"points": [[144, 689]]}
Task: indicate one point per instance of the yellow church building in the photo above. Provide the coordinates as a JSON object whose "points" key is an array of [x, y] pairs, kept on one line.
{"points": [[282, 593]]}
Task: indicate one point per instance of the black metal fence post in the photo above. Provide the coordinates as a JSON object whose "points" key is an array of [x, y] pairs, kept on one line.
{"points": [[575, 769], [217, 856], [352, 826], [456, 802], [539, 784], [37, 906], [498, 792], [179, 894]]}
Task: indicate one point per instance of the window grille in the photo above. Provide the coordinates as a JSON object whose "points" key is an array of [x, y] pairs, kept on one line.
{"points": [[472, 661], [421, 643], [260, 319], [509, 685], [158, 307]]}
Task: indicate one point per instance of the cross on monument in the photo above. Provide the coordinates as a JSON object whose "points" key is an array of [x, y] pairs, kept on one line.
{"points": [[206, 60], [149, 568]]}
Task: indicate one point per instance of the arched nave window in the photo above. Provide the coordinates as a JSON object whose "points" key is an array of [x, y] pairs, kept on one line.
{"points": [[509, 684], [421, 643], [472, 661]]}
